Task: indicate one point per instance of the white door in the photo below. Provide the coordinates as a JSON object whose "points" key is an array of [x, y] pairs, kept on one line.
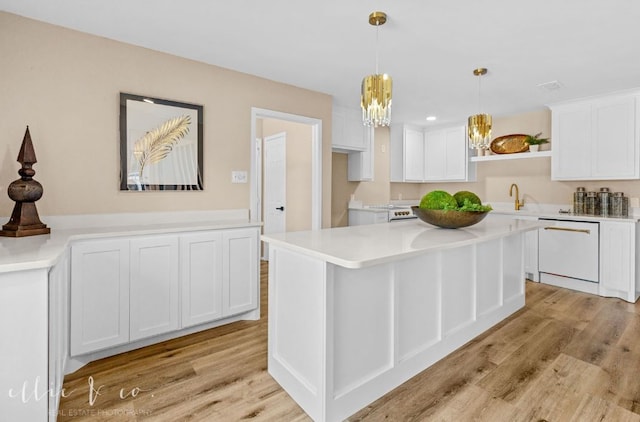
{"points": [[274, 186]]}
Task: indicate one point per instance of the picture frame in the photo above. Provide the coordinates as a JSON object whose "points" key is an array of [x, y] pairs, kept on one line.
{"points": [[160, 144]]}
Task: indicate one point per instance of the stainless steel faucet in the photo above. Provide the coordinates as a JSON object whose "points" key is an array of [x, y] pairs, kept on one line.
{"points": [[518, 204]]}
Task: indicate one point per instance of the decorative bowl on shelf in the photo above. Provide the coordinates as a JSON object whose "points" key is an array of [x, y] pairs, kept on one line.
{"points": [[449, 219], [509, 144]]}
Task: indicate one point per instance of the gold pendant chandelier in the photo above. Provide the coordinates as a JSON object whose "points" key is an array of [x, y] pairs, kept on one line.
{"points": [[376, 89], [479, 126]]}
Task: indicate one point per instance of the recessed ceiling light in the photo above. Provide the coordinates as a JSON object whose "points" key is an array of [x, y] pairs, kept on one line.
{"points": [[431, 118]]}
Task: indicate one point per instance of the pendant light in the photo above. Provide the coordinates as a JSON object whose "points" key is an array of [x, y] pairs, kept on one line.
{"points": [[479, 127], [376, 88]]}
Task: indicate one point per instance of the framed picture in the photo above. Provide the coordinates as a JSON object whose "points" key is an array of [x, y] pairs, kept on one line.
{"points": [[160, 144]]}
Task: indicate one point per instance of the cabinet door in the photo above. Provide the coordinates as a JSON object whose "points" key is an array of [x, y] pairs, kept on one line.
{"points": [[413, 155], [240, 271], [456, 160], [614, 148], [99, 295], [435, 155], [360, 164], [531, 255], [154, 286], [446, 154], [347, 129], [617, 259], [201, 277], [571, 134]]}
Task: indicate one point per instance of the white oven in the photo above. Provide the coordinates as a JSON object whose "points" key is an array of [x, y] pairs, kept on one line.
{"points": [[373, 214], [569, 249]]}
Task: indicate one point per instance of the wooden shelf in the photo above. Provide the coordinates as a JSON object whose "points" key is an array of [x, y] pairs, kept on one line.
{"points": [[518, 156]]}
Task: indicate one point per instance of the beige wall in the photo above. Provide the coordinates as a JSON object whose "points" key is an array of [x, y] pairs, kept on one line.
{"points": [[298, 171], [65, 85], [494, 178]]}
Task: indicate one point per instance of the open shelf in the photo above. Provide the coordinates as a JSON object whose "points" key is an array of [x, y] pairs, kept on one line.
{"points": [[518, 156]]}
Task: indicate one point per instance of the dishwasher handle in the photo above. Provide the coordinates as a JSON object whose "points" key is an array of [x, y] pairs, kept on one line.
{"points": [[567, 229]]}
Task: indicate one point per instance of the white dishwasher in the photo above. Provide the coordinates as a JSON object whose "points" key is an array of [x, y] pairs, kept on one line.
{"points": [[569, 249]]}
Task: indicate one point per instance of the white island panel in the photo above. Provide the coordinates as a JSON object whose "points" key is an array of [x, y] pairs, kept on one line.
{"points": [[370, 325], [418, 304]]}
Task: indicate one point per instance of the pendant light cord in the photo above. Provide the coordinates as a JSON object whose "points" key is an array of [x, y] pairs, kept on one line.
{"points": [[377, 36]]}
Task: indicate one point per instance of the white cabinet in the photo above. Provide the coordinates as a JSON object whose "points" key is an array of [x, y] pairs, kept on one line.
{"points": [[446, 155], [240, 271], [99, 295], [58, 329], [154, 284], [618, 274], [127, 289], [596, 139], [419, 155], [348, 132], [531, 255], [360, 164], [201, 277]]}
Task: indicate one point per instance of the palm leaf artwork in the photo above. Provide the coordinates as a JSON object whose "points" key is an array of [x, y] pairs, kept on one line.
{"points": [[156, 144]]}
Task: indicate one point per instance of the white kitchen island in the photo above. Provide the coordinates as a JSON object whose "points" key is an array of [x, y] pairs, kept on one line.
{"points": [[356, 311]]}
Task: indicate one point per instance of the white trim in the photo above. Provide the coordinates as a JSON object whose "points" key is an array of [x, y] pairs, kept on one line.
{"points": [[316, 163]]}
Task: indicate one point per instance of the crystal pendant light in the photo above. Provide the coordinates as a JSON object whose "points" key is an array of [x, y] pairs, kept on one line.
{"points": [[479, 126], [376, 89]]}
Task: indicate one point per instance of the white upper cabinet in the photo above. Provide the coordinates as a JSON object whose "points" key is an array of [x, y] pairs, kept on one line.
{"points": [[348, 133], [596, 139], [360, 164], [419, 155]]}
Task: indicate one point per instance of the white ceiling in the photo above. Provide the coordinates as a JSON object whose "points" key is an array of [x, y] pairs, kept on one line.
{"points": [[429, 47]]}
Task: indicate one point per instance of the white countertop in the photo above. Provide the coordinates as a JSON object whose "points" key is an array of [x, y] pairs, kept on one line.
{"points": [[361, 246], [43, 251], [553, 211]]}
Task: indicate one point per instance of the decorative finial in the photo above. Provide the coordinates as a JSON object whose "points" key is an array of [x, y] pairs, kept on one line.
{"points": [[25, 192]]}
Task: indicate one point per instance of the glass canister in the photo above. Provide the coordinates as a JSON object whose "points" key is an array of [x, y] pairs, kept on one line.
{"points": [[619, 205], [603, 201], [579, 198], [591, 203]]}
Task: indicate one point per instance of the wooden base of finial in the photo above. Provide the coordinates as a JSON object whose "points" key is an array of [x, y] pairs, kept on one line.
{"points": [[24, 222]]}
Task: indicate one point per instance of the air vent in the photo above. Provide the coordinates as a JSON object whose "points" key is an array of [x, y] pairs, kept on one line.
{"points": [[550, 86]]}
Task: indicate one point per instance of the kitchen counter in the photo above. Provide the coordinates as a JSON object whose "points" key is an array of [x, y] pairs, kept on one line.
{"points": [[552, 211], [363, 246], [356, 311], [43, 251]]}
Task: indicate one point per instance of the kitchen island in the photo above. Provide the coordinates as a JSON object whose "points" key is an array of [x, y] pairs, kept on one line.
{"points": [[356, 311]]}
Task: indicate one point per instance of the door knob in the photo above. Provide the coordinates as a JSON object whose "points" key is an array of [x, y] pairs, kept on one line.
{"points": [[280, 208]]}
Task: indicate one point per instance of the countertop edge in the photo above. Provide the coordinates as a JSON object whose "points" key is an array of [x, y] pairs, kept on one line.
{"points": [[394, 256]]}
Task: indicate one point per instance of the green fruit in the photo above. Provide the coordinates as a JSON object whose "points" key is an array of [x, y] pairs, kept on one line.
{"points": [[465, 194], [438, 200]]}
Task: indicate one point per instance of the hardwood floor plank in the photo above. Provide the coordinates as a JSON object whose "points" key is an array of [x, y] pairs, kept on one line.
{"points": [[597, 409], [512, 377], [623, 366], [558, 391], [599, 338]]}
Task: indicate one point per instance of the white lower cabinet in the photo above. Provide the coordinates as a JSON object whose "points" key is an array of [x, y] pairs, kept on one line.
{"points": [[239, 270], [99, 295], [154, 285], [618, 275], [201, 277], [127, 289]]}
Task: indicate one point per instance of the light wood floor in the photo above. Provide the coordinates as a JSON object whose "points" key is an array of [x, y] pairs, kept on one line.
{"points": [[567, 356]]}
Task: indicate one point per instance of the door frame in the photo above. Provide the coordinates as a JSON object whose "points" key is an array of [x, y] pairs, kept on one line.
{"points": [[255, 202]]}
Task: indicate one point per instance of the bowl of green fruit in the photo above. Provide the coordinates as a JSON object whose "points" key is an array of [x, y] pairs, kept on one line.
{"points": [[442, 209]]}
